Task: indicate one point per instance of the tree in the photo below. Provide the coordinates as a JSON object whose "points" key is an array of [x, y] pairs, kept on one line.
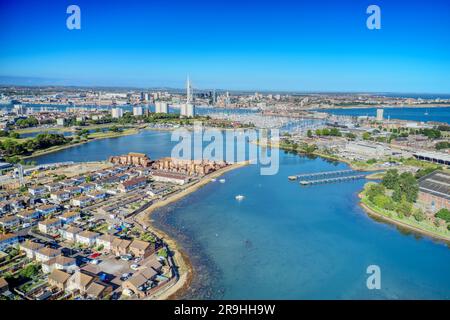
{"points": [[351, 136], [335, 132], [443, 214], [404, 208], [375, 190], [366, 136], [309, 133], [383, 201], [419, 215], [409, 186], [442, 145], [390, 179], [29, 271], [397, 194]]}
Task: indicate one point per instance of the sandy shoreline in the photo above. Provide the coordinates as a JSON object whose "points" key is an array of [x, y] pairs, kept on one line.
{"points": [[182, 261]]}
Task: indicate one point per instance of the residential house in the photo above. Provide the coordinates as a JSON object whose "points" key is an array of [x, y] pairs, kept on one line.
{"points": [[132, 184], [74, 190], [81, 201], [8, 240], [9, 222], [98, 291], [49, 226], [87, 237], [29, 216], [141, 282], [152, 262], [52, 187], [70, 233], [47, 209], [69, 217], [17, 204], [78, 180], [30, 248], [58, 279], [60, 196], [66, 264], [37, 190], [79, 281], [106, 241], [141, 249], [87, 187], [46, 254], [97, 195], [120, 246]]}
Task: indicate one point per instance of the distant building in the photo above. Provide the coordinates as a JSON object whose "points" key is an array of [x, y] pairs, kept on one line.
{"points": [[138, 159], [60, 121], [144, 96], [117, 113], [434, 191], [161, 107], [187, 110], [137, 111], [380, 113]]}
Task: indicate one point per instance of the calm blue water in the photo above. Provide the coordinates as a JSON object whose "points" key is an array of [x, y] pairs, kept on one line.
{"points": [[441, 114], [285, 241]]}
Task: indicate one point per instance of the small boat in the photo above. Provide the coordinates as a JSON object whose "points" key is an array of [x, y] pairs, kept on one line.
{"points": [[213, 180], [222, 180], [240, 197], [292, 178]]}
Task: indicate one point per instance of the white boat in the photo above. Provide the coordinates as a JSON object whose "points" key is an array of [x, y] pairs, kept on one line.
{"points": [[240, 197], [222, 180], [213, 180]]}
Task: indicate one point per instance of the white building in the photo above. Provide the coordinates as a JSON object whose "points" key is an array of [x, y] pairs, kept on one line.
{"points": [[380, 113], [87, 238], [161, 107], [117, 113], [187, 110], [137, 111]]}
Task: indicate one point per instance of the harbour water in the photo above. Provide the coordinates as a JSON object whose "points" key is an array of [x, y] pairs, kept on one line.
{"points": [[438, 114], [284, 241]]}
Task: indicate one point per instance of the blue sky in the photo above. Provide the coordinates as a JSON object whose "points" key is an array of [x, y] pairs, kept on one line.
{"points": [[252, 45]]}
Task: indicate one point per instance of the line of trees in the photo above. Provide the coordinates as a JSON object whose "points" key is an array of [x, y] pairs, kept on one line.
{"points": [[11, 148]]}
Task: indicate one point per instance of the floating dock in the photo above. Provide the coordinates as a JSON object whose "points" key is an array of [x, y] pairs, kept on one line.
{"points": [[332, 180], [324, 174]]}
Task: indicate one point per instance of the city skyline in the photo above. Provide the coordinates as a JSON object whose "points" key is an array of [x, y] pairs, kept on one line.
{"points": [[296, 47]]}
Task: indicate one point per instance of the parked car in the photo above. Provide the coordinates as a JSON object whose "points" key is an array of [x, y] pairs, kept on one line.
{"points": [[94, 261], [126, 257], [125, 276], [134, 267]]}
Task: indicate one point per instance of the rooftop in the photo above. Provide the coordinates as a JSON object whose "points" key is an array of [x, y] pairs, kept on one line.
{"points": [[436, 183]]}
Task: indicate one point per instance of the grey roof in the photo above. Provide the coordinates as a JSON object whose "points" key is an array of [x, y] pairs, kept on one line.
{"points": [[436, 183]]}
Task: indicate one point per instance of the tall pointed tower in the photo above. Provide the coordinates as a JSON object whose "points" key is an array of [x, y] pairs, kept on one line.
{"points": [[188, 90]]}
